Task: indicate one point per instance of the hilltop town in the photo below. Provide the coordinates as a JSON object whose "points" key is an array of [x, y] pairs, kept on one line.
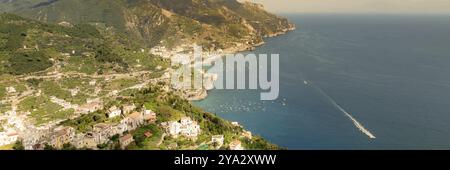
{"points": [[70, 110]]}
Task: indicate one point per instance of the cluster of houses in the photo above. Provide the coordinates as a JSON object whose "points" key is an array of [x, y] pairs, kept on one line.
{"points": [[185, 127], [100, 134], [130, 119], [9, 135]]}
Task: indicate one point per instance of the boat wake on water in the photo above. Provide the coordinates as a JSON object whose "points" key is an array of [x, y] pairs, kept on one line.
{"points": [[337, 106]]}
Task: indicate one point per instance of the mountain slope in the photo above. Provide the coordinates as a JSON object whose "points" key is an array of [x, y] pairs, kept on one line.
{"points": [[69, 75], [212, 23], [29, 46], [12, 5]]}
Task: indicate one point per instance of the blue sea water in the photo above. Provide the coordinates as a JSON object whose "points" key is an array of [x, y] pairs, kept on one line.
{"points": [[390, 72]]}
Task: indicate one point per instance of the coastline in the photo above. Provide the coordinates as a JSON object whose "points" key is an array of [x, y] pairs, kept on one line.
{"points": [[203, 93]]}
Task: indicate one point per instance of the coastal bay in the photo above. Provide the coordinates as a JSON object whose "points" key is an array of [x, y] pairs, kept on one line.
{"points": [[396, 95]]}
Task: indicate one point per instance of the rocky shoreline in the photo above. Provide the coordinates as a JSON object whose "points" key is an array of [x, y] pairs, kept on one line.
{"points": [[202, 94]]}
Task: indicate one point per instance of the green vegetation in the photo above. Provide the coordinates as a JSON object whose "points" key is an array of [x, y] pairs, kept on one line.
{"points": [[28, 62], [34, 82], [13, 33], [43, 110], [170, 107], [2, 91], [68, 146], [142, 141], [167, 113], [222, 21], [113, 36], [104, 53], [7, 147], [120, 84], [52, 88], [258, 143], [85, 122], [49, 147], [18, 145]]}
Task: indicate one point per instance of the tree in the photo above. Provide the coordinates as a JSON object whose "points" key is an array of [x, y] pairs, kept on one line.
{"points": [[115, 137], [102, 146], [68, 146], [48, 147], [18, 145]]}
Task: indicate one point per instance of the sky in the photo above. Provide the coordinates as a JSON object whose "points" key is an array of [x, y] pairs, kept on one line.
{"points": [[357, 6]]}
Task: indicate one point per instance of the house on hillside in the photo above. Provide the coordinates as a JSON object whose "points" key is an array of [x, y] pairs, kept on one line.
{"points": [[128, 108], [217, 140], [186, 127], [7, 138], [135, 120], [102, 132], [149, 116], [236, 145], [85, 141], [10, 89], [61, 136], [114, 112], [247, 134], [124, 141]]}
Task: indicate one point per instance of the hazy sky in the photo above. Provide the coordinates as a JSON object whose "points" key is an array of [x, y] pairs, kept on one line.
{"points": [[357, 6]]}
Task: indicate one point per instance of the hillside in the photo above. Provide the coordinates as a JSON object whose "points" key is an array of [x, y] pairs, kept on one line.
{"points": [[212, 23], [11, 5], [28, 46], [68, 76], [64, 64]]}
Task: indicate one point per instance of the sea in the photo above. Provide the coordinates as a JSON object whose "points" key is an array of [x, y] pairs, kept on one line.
{"points": [[346, 77]]}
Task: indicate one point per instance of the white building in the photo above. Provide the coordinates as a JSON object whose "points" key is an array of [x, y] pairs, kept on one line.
{"points": [[92, 82], [218, 140], [149, 116], [114, 112], [74, 92], [236, 145], [7, 138], [247, 134], [190, 131], [236, 124], [186, 121], [10, 90], [121, 127], [128, 108], [186, 127], [173, 128]]}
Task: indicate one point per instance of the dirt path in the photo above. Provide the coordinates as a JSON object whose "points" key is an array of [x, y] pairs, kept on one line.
{"points": [[161, 140]]}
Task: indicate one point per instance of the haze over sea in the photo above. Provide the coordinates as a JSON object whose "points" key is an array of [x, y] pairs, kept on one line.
{"points": [[390, 72]]}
